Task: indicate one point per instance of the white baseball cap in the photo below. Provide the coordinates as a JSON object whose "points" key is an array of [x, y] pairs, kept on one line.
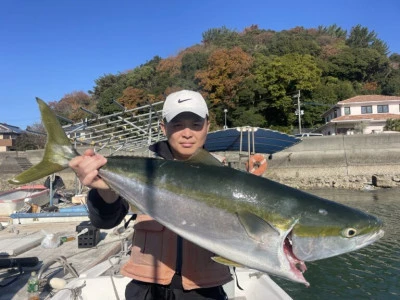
{"points": [[184, 101]]}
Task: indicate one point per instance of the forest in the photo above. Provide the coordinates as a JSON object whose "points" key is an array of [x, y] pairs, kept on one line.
{"points": [[255, 74]]}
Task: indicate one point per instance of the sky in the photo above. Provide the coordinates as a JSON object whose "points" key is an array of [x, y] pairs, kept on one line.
{"points": [[52, 48]]}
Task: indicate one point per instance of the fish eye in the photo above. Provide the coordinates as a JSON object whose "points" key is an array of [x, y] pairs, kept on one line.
{"points": [[349, 232]]}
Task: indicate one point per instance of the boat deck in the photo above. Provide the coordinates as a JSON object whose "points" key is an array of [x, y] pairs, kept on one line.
{"points": [[24, 240]]}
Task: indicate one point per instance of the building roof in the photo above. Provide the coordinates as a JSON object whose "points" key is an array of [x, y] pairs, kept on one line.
{"points": [[369, 98], [5, 128], [374, 117]]}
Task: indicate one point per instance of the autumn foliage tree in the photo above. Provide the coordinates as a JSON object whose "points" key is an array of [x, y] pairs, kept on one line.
{"points": [[226, 70], [69, 106], [133, 97]]}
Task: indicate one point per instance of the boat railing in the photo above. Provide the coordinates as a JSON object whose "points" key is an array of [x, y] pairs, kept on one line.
{"points": [[63, 261]]}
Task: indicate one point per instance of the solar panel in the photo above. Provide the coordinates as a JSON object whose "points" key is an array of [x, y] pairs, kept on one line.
{"points": [[260, 140]]}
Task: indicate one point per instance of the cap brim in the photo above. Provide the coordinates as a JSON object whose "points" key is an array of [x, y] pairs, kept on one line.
{"points": [[170, 116]]}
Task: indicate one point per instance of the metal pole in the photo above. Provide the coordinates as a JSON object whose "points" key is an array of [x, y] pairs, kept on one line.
{"points": [[51, 179], [299, 110], [252, 136], [225, 111], [248, 143]]}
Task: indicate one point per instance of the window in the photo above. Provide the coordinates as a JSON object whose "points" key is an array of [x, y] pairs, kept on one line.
{"points": [[366, 109], [347, 110], [383, 108]]}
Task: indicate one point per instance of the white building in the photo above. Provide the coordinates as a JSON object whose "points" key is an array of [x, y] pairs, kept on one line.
{"points": [[8, 135], [361, 114]]}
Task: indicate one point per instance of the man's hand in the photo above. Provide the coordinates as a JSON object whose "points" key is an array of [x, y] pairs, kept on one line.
{"points": [[87, 168]]}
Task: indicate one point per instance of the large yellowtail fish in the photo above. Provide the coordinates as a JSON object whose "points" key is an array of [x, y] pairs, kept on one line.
{"points": [[244, 219]]}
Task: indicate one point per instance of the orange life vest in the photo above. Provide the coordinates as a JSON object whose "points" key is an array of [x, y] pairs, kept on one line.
{"points": [[153, 258]]}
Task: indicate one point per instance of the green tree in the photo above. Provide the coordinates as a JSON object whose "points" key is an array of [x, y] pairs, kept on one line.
{"points": [[221, 37], [111, 87], [191, 63], [108, 88], [391, 80], [32, 139], [358, 64], [141, 77], [361, 37], [247, 117], [281, 77], [331, 90], [297, 40], [334, 31], [253, 39], [392, 125], [391, 85], [395, 58]]}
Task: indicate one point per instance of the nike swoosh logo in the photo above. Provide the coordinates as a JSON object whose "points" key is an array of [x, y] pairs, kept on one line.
{"points": [[183, 100]]}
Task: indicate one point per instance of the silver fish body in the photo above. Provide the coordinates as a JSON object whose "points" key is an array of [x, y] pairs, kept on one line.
{"points": [[247, 219], [244, 219]]}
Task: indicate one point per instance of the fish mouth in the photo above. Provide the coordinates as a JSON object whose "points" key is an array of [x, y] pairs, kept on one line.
{"points": [[297, 266]]}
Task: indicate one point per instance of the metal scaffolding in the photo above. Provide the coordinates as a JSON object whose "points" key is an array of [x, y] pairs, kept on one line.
{"points": [[127, 130]]}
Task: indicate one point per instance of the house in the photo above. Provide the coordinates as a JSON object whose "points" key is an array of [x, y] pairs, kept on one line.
{"points": [[361, 114], [8, 134]]}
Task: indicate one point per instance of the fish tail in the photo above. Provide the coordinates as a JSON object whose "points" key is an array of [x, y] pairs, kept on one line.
{"points": [[58, 151]]}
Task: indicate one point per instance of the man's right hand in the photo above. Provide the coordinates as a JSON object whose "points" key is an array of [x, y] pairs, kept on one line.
{"points": [[86, 167]]}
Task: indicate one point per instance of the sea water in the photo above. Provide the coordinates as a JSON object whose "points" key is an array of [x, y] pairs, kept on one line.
{"points": [[372, 272]]}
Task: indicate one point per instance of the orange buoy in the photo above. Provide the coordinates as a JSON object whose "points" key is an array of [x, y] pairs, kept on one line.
{"points": [[257, 164]]}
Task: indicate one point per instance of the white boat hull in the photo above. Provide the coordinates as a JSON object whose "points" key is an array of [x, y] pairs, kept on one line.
{"points": [[255, 286], [14, 200]]}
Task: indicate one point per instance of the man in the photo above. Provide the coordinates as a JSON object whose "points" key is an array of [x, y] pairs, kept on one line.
{"points": [[162, 265]]}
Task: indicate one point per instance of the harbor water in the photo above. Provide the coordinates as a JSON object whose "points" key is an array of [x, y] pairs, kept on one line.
{"points": [[369, 273]]}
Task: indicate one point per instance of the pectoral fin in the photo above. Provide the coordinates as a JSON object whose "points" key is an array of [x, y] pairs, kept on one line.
{"points": [[256, 227], [226, 262]]}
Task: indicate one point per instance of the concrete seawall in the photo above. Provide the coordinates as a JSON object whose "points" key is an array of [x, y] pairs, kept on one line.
{"points": [[329, 161], [351, 162], [339, 161]]}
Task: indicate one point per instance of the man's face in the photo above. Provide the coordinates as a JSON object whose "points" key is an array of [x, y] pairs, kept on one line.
{"points": [[186, 133]]}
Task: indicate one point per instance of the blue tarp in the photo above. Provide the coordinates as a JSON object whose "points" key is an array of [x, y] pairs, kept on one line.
{"points": [[265, 140]]}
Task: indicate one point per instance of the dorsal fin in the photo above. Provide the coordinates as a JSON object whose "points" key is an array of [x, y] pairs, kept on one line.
{"points": [[202, 156]]}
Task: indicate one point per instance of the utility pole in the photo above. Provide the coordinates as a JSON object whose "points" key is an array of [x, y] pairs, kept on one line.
{"points": [[299, 112]]}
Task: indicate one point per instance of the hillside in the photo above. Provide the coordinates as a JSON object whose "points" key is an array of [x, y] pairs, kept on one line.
{"points": [[254, 74]]}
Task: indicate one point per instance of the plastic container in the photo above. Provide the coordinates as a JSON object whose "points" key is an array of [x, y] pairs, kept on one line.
{"points": [[90, 238], [33, 287]]}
